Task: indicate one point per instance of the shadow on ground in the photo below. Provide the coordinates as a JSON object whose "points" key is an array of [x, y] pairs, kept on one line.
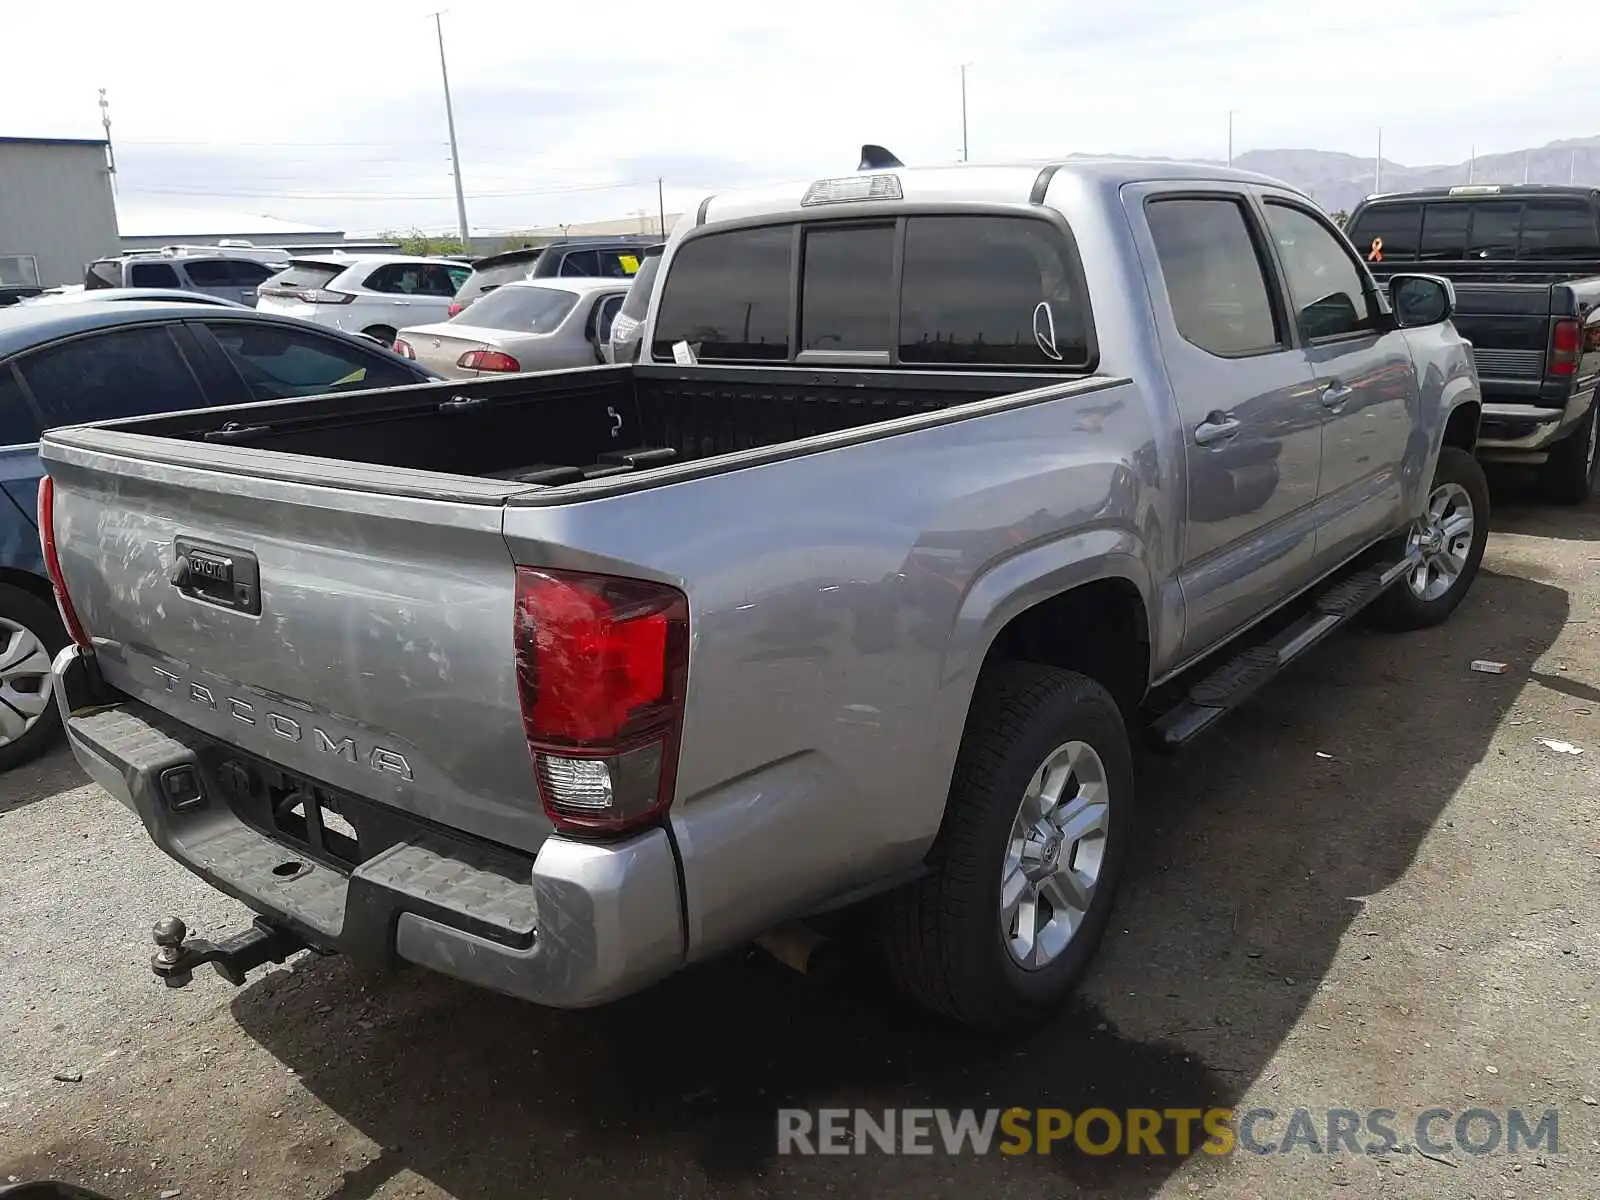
{"points": [[55, 772], [1254, 858], [1520, 508]]}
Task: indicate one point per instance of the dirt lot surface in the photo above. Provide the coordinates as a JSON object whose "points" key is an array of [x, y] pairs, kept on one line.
{"points": [[1371, 889]]}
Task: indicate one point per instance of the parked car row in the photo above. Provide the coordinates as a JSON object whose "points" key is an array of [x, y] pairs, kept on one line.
{"points": [[922, 496]]}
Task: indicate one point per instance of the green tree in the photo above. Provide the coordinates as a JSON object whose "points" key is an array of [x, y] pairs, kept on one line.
{"points": [[414, 241], [1340, 218]]}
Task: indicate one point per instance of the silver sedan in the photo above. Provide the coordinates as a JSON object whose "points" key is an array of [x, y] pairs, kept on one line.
{"points": [[531, 325]]}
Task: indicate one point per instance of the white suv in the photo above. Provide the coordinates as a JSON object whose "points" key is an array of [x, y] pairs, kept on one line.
{"points": [[374, 294]]}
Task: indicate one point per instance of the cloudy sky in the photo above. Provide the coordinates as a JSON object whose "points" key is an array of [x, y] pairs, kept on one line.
{"points": [[330, 113]]}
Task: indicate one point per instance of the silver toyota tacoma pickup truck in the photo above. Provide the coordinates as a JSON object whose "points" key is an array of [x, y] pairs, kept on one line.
{"points": [[930, 489]]}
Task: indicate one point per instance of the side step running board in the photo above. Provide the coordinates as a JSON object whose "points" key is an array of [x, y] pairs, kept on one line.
{"points": [[1238, 678]]}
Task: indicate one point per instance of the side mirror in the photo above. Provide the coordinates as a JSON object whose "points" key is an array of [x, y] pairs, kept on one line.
{"points": [[1420, 300]]}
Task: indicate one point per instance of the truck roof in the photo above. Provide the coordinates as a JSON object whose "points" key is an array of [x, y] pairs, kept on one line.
{"points": [[1002, 183]]}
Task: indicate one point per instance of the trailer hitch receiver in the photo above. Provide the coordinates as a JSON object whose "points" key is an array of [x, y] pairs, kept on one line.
{"points": [[177, 954]]}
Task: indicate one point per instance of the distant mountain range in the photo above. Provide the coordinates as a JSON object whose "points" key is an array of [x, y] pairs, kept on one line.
{"points": [[1338, 182]]}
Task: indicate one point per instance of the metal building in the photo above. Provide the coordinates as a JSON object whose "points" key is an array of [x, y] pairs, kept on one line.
{"points": [[56, 209]]}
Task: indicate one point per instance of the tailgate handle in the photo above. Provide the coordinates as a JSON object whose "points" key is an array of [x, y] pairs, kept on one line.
{"points": [[233, 430], [462, 403]]}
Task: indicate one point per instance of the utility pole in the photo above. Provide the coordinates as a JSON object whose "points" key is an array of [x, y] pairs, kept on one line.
{"points": [[661, 204], [450, 117], [1230, 135], [1525, 166], [1377, 166], [964, 67], [1572, 168], [111, 152], [1472, 163]]}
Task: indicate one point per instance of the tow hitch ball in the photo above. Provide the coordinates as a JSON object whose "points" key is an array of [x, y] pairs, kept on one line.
{"points": [[176, 958]]}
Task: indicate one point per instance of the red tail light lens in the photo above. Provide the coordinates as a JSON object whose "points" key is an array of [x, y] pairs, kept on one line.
{"points": [[403, 348], [601, 668], [323, 296], [488, 360], [1565, 340], [455, 309], [52, 563]]}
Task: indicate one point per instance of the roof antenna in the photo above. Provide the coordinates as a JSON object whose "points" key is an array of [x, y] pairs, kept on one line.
{"points": [[876, 158]]}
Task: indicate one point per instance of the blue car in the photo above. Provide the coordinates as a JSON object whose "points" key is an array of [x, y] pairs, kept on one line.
{"points": [[68, 364]]}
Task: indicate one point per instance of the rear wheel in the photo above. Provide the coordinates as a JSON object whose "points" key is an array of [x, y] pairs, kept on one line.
{"points": [[30, 635], [1447, 541], [1567, 476], [383, 333], [1026, 865]]}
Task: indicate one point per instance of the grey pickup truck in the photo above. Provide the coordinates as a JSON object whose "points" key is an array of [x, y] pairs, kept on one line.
{"points": [[929, 491]]}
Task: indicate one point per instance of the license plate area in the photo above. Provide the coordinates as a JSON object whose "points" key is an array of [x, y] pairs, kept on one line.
{"points": [[225, 576], [329, 826]]}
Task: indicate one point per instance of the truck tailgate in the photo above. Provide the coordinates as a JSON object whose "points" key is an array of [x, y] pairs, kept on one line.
{"points": [[1508, 325], [361, 639]]}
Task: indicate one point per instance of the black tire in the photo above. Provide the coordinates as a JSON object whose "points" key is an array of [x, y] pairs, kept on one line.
{"points": [[382, 333], [1401, 608], [22, 610], [942, 934], [1567, 476]]}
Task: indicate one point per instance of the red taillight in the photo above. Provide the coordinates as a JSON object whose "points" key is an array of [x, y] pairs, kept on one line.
{"points": [[487, 360], [601, 667], [323, 296], [52, 563], [403, 348], [1566, 337], [454, 310]]}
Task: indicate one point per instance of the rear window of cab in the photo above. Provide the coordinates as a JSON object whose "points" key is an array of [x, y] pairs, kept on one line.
{"points": [[928, 291]]}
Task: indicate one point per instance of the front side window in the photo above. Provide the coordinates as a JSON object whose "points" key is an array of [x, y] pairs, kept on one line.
{"points": [[18, 426], [119, 373], [1213, 274], [727, 296], [1325, 284], [277, 363]]}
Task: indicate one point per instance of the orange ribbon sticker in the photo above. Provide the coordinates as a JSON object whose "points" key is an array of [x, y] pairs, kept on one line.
{"points": [[1377, 251]]}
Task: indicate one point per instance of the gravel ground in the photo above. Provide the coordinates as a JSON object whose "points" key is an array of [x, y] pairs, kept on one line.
{"points": [[1372, 888]]}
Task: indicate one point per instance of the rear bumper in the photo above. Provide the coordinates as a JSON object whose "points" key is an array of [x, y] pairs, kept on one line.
{"points": [[1524, 432], [577, 925]]}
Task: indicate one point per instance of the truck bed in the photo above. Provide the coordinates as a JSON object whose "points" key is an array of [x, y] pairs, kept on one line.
{"points": [[561, 428]]}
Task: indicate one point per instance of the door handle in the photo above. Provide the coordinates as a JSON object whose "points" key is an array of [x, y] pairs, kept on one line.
{"points": [[1336, 394], [1218, 427], [403, 302]]}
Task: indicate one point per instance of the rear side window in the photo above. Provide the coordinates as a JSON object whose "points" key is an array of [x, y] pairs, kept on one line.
{"points": [[1388, 231], [18, 427], [304, 277], [1444, 233], [244, 273], [153, 275], [527, 309], [208, 272], [119, 373], [1494, 230], [583, 263], [1212, 269], [413, 279], [727, 295], [986, 290], [1557, 229], [847, 288], [107, 273]]}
